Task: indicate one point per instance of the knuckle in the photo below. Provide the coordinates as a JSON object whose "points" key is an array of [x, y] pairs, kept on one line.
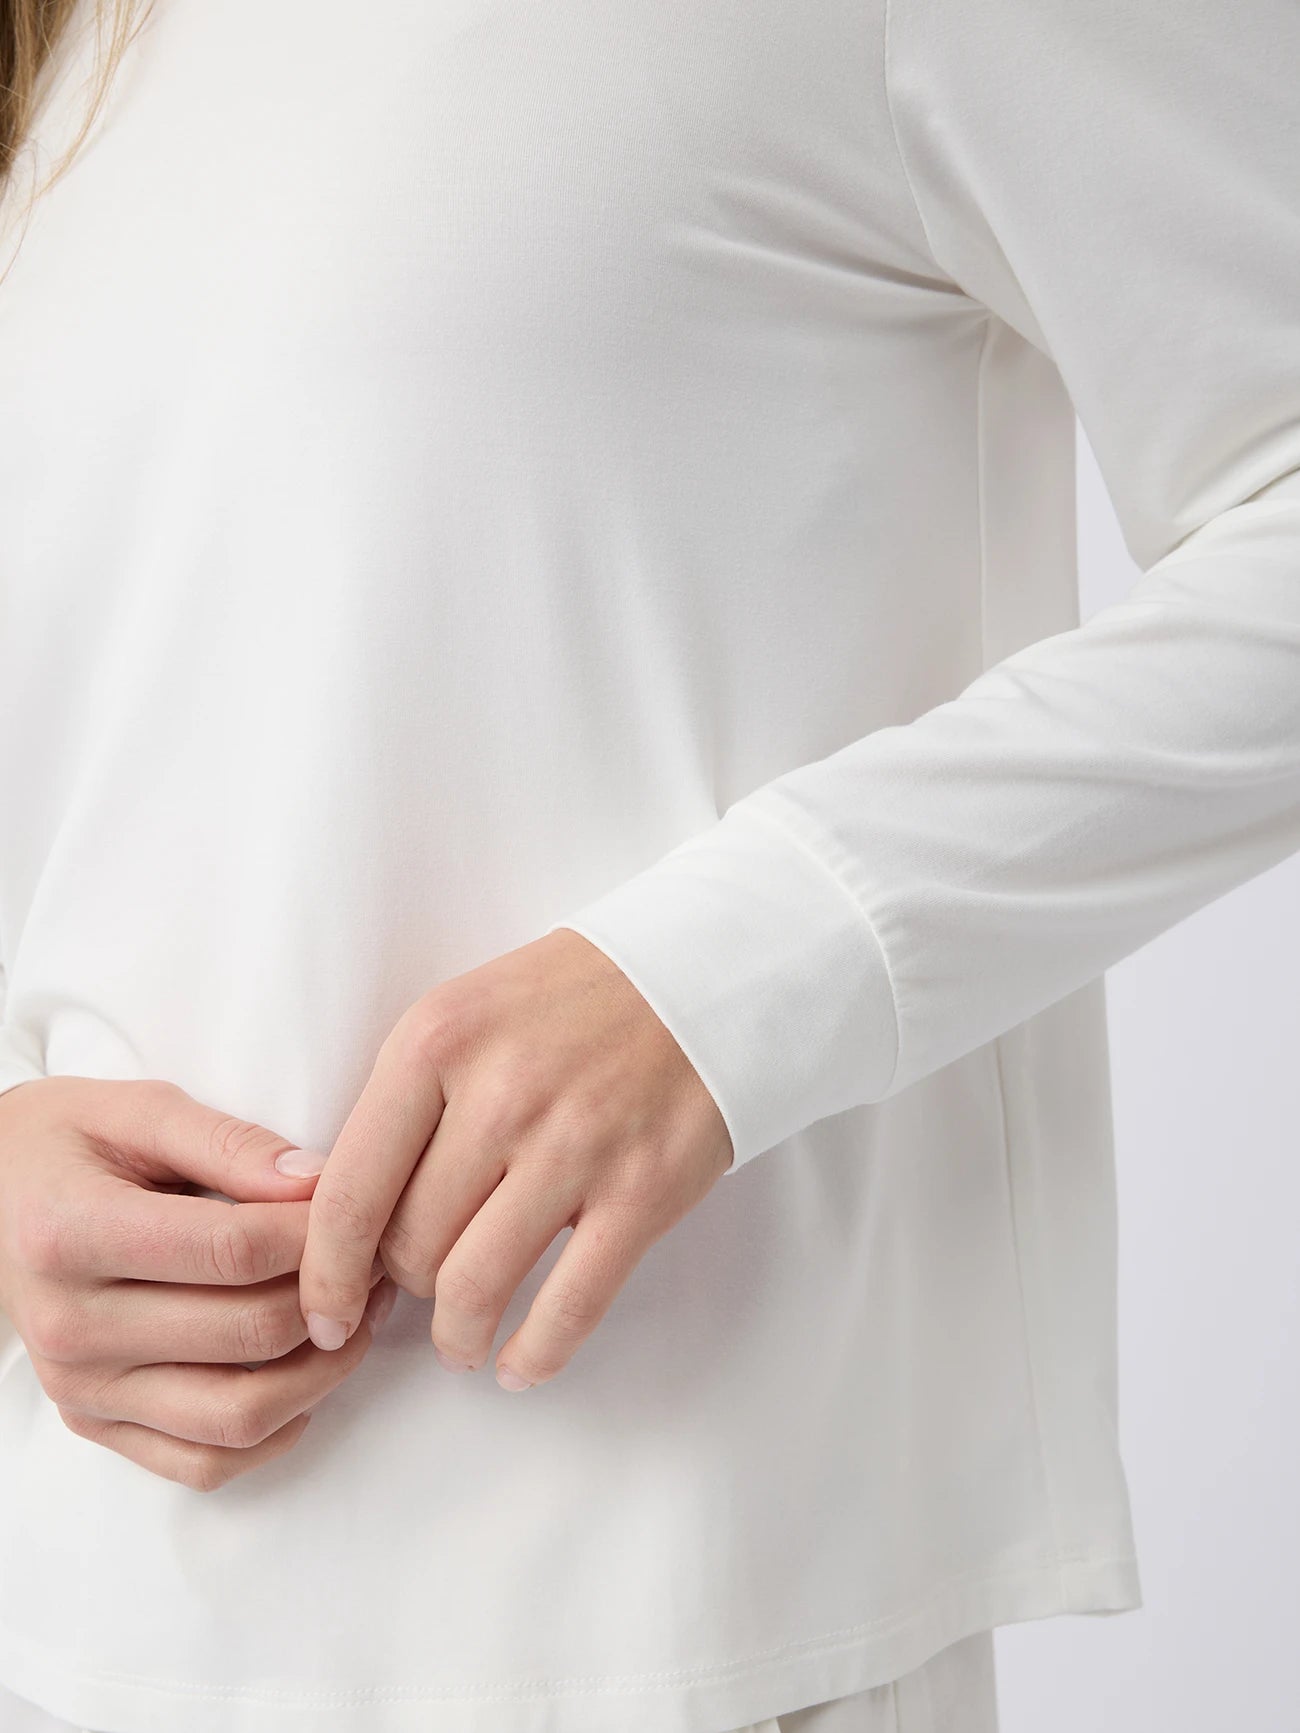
{"points": [[231, 1136], [78, 1422], [64, 1385], [265, 1330], [407, 1261], [429, 1033], [203, 1470], [55, 1333], [463, 1291], [155, 1100], [235, 1424], [238, 1257], [345, 1214], [243, 1428], [158, 1092], [573, 1310], [42, 1241]]}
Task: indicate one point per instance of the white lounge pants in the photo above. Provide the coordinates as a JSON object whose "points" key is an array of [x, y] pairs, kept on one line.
{"points": [[955, 1691]]}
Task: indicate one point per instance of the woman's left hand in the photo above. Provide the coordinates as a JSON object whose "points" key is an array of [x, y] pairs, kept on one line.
{"points": [[537, 1092]]}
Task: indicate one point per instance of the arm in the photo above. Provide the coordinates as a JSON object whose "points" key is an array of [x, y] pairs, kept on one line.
{"points": [[1123, 188]]}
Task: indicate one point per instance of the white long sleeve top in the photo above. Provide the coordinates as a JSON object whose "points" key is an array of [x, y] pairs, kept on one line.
{"points": [[505, 466]]}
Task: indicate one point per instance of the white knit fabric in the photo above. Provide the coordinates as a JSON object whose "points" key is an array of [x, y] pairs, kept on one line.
{"points": [[483, 466]]}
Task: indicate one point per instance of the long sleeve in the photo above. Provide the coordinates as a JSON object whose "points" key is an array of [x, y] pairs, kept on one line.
{"points": [[1120, 184]]}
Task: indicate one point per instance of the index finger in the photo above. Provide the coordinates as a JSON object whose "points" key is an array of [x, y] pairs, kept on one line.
{"points": [[366, 1172], [127, 1230]]}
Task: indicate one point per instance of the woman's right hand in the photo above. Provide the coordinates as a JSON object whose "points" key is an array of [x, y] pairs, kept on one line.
{"points": [[142, 1305]]}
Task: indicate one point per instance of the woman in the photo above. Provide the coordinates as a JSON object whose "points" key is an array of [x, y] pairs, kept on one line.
{"points": [[542, 673]]}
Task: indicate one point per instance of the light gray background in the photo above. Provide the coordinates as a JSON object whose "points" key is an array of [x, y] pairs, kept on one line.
{"points": [[1205, 1053]]}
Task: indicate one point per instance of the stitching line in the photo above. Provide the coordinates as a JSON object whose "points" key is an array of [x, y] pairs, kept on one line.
{"points": [[982, 538], [588, 1684]]}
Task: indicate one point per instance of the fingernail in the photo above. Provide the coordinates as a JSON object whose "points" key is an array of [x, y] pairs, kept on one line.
{"points": [[509, 1380], [380, 1304], [300, 1163], [326, 1332], [449, 1363]]}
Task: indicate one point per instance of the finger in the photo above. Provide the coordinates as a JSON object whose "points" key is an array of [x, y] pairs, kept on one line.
{"points": [[112, 1227], [381, 1141], [480, 1274], [453, 1179], [134, 1323], [227, 1405], [603, 1250], [202, 1467], [163, 1134]]}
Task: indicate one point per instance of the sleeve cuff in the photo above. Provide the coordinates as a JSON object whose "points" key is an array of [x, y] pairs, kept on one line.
{"points": [[764, 969]]}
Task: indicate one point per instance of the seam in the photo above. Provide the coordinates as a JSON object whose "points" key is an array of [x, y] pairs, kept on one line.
{"points": [[1013, 1215], [981, 516], [590, 1684]]}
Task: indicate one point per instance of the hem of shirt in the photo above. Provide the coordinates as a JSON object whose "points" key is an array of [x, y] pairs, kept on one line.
{"points": [[705, 1699]]}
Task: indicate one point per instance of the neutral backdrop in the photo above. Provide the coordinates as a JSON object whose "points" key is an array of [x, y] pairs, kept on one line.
{"points": [[1205, 1053]]}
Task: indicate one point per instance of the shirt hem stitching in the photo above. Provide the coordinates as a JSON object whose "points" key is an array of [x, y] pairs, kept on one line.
{"points": [[594, 1684]]}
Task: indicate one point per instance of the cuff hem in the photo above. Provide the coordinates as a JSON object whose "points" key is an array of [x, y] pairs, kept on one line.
{"points": [[763, 967]]}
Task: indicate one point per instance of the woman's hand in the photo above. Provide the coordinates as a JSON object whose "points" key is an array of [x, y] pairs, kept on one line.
{"points": [[537, 1092], [141, 1307]]}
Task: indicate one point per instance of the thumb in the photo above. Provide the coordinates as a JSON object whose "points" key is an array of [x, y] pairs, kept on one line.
{"points": [[164, 1134]]}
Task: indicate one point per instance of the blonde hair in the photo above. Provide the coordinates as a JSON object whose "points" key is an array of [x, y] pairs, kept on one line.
{"points": [[30, 32]]}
